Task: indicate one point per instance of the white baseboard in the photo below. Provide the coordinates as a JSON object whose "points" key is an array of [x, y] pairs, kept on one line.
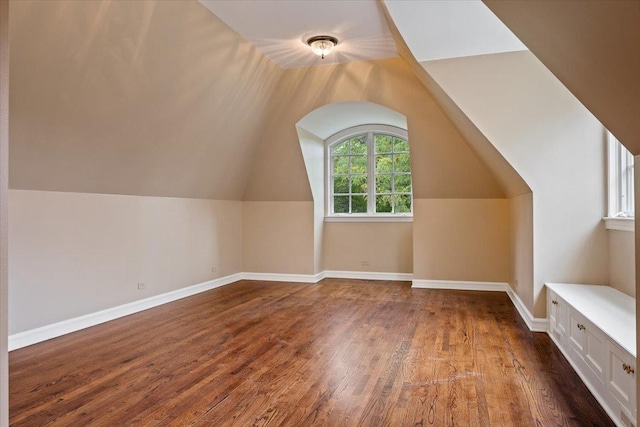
{"points": [[333, 274], [54, 330], [535, 324], [366, 275], [278, 277], [460, 286]]}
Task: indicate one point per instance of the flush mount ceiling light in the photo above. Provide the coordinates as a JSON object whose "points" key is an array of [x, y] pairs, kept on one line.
{"points": [[322, 45]]}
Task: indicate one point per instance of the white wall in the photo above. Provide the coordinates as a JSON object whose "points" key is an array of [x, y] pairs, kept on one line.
{"points": [[521, 247], [622, 261], [71, 254], [555, 144], [312, 148]]}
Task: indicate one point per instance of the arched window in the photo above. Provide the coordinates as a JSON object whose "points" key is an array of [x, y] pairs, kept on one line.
{"points": [[369, 172]]}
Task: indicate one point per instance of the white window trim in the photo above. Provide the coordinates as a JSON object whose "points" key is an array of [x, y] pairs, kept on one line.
{"points": [[620, 187], [620, 224], [363, 217], [369, 218]]}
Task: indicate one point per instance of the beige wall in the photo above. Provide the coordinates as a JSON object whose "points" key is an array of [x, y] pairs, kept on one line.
{"points": [[72, 254], [461, 240], [366, 246], [622, 258], [555, 144], [155, 98], [278, 237]]}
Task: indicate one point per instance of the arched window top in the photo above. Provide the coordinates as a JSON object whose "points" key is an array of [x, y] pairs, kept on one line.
{"points": [[369, 173]]}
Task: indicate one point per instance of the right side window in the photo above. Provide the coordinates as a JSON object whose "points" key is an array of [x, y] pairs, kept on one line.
{"points": [[621, 200]]}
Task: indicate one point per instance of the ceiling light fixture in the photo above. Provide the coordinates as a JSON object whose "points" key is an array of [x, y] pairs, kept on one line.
{"points": [[322, 45]]}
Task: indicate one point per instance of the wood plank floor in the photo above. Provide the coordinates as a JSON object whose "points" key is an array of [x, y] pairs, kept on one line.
{"points": [[338, 353]]}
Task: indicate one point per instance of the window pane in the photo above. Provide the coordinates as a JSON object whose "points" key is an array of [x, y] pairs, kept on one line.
{"points": [[341, 165], [383, 164], [341, 204], [358, 204], [341, 184], [359, 145], [402, 203], [358, 164], [342, 148], [400, 145], [383, 183], [355, 180], [401, 163], [383, 144], [359, 184], [402, 183], [383, 203]]}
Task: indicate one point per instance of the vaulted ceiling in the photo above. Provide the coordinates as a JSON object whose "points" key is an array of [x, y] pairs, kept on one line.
{"points": [[165, 98]]}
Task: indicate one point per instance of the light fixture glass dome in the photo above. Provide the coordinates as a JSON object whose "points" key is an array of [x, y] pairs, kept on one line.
{"points": [[322, 45]]}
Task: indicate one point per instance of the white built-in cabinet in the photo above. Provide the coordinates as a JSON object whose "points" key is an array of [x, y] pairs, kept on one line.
{"points": [[595, 328]]}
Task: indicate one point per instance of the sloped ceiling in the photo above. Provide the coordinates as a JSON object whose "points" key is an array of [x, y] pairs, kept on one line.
{"points": [[511, 183], [593, 48], [143, 98], [441, 29]]}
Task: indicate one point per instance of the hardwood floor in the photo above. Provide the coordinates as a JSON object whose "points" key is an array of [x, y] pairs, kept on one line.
{"points": [[338, 353]]}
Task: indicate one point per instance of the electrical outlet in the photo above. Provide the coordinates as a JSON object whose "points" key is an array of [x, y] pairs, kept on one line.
{"points": [[141, 286], [515, 284], [214, 269], [364, 262]]}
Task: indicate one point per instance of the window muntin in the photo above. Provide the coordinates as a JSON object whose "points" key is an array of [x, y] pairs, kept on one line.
{"points": [[370, 173], [621, 198]]}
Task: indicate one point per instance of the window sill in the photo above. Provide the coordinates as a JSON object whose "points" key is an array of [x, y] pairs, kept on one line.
{"points": [[369, 218], [620, 224]]}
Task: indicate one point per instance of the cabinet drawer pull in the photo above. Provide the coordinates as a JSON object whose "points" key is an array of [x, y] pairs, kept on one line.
{"points": [[628, 369], [580, 326], [554, 302]]}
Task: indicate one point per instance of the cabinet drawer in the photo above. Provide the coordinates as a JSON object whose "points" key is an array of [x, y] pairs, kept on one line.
{"points": [[576, 332], [595, 351], [621, 378]]}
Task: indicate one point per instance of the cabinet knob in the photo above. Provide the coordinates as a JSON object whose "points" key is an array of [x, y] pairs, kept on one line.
{"points": [[554, 302], [580, 326], [628, 369]]}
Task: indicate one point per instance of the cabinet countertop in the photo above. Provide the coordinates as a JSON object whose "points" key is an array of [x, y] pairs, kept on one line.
{"points": [[611, 311]]}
